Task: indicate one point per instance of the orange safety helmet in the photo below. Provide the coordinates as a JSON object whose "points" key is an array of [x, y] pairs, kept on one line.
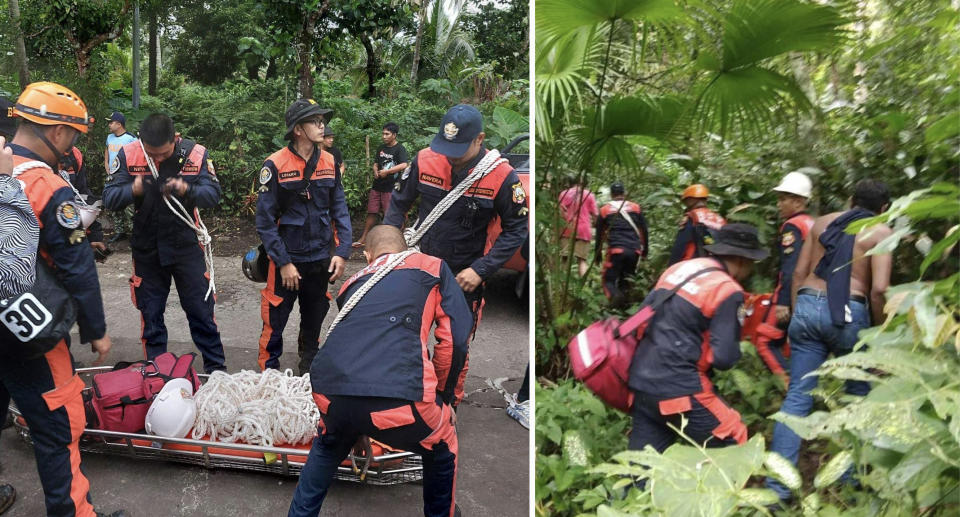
{"points": [[51, 104], [697, 190]]}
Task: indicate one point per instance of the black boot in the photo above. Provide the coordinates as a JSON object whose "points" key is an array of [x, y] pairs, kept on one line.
{"points": [[7, 496]]}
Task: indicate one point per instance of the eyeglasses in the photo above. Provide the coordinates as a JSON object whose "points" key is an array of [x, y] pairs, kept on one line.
{"points": [[315, 121]]}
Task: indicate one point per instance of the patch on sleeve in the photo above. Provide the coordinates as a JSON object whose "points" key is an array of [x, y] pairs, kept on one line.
{"points": [[115, 164], [742, 314], [787, 239], [265, 175], [788, 250], [523, 211], [519, 195], [77, 236], [263, 188], [210, 168], [68, 216]]}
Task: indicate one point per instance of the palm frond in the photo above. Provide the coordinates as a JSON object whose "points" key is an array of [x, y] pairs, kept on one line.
{"points": [[749, 98], [563, 67], [754, 30], [555, 18]]}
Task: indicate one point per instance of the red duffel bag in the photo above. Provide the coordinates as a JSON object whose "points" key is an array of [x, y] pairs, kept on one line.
{"points": [[600, 354], [121, 397]]}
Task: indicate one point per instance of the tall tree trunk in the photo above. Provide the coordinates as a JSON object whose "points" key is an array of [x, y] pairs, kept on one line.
{"points": [[153, 65], [19, 48], [136, 54], [416, 48], [373, 66], [305, 53], [272, 68]]}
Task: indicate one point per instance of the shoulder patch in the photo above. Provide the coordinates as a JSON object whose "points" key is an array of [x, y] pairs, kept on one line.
{"points": [[787, 239], [210, 168], [115, 164], [788, 250], [265, 175], [683, 220], [519, 195], [68, 216]]}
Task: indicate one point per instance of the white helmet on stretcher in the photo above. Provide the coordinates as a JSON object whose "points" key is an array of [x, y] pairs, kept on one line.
{"points": [[173, 411]]}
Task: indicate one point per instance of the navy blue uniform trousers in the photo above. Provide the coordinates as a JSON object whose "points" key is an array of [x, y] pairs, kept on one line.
{"points": [[425, 428], [149, 288], [276, 303], [49, 396]]}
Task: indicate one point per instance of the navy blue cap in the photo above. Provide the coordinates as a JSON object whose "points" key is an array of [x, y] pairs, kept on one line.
{"points": [[459, 127], [116, 116]]}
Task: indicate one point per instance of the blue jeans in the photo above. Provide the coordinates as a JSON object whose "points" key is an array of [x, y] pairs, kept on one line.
{"points": [[812, 338]]}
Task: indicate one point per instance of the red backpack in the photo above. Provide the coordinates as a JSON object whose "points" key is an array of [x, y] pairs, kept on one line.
{"points": [[121, 397], [600, 354]]}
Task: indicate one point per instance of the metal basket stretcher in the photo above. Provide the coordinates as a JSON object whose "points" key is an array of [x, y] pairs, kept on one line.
{"points": [[389, 468]]}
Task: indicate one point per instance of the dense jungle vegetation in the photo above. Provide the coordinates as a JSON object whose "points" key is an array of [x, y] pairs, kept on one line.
{"points": [[734, 94], [226, 71]]}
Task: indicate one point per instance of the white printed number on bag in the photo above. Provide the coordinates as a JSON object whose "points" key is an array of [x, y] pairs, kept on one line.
{"points": [[26, 317]]}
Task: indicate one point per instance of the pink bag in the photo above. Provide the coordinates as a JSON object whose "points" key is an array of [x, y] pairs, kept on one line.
{"points": [[122, 397], [600, 354]]}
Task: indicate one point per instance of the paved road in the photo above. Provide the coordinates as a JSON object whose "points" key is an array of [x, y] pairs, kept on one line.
{"points": [[493, 468]]}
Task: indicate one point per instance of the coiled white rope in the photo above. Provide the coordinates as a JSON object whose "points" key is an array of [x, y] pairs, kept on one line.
{"points": [[395, 260], [201, 229], [489, 162], [256, 408]]}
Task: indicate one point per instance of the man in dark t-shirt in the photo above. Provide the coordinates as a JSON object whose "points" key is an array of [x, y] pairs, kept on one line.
{"points": [[328, 136], [391, 160]]}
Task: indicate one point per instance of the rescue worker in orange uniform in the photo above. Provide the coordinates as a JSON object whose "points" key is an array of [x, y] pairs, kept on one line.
{"points": [[46, 390], [622, 225], [696, 226], [301, 214], [695, 331], [163, 246], [793, 194], [375, 376], [459, 236]]}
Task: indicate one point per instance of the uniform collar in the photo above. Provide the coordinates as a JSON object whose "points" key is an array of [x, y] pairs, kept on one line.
{"points": [[316, 149], [791, 216], [20, 150]]}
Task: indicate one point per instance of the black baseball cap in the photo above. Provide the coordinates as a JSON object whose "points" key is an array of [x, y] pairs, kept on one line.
{"points": [[616, 188], [116, 116], [460, 125], [302, 109]]}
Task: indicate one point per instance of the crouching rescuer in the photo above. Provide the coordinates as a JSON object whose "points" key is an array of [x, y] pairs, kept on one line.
{"points": [[374, 375], [693, 332]]}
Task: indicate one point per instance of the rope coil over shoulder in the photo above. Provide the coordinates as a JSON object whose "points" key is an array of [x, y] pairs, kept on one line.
{"points": [[201, 229], [489, 162]]}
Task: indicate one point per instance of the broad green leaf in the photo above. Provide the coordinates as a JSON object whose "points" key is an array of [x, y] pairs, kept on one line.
{"points": [[783, 470], [945, 128], [831, 472], [558, 17]]}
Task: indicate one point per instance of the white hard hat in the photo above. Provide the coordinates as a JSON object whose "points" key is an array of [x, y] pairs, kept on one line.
{"points": [[796, 183], [173, 411]]}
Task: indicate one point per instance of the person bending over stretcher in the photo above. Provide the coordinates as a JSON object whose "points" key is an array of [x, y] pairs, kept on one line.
{"points": [[372, 375]]}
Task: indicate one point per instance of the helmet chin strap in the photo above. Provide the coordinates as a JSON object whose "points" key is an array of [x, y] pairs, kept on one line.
{"points": [[56, 152]]}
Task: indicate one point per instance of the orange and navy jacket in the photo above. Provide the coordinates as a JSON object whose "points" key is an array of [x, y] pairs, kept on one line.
{"points": [[53, 204], [72, 163], [382, 347], [460, 235], [618, 233], [694, 331], [792, 234], [302, 208], [155, 226], [694, 233]]}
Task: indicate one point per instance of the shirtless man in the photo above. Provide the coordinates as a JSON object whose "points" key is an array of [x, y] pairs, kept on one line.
{"points": [[830, 304]]}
